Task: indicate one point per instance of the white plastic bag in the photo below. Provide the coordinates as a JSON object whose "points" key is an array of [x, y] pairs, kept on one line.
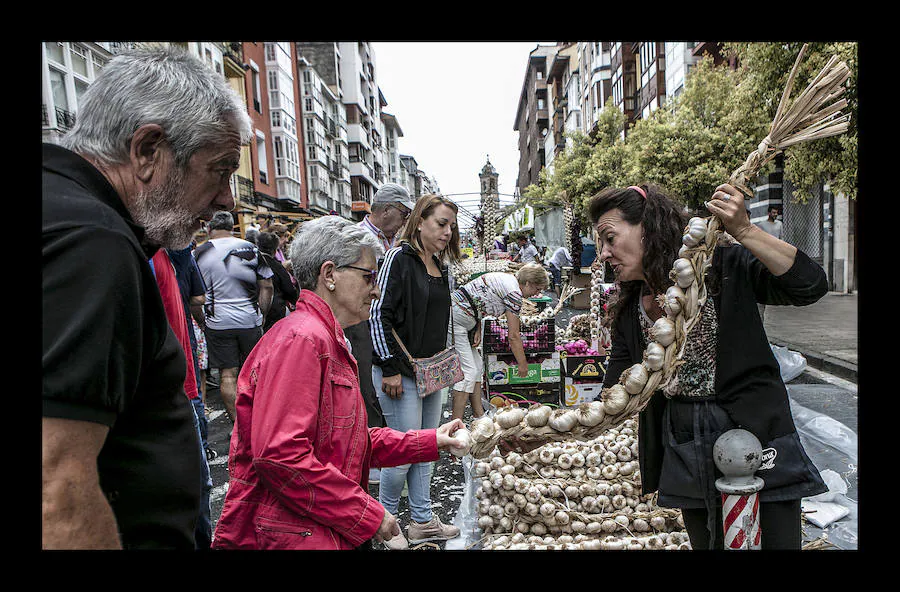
{"points": [[792, 363]]}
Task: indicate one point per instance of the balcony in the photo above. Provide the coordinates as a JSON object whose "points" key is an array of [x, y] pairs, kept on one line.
{"points": [[330, 127], [65, 120]]}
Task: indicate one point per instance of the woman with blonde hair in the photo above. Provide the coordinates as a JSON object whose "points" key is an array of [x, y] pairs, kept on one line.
{"points": [[414, 307], [491, 294]]}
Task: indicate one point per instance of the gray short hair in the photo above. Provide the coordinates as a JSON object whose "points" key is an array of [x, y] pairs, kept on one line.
{"points": [[163, 85], [221, 221], [329, 238]]}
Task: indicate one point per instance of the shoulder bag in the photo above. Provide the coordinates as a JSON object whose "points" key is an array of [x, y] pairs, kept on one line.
{"points": [[439, 371]]}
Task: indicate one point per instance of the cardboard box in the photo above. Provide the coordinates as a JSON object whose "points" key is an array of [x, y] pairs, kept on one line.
{"points": [[575, 393], [585, 367], [504, 370]]}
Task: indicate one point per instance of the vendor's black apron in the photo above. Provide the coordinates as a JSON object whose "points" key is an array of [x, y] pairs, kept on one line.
{"points": [[690, 427]]}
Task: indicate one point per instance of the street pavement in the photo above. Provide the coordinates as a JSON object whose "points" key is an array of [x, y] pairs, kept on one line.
{"points": [[825, 333]]}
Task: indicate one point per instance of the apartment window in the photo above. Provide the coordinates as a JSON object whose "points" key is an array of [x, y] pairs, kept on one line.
{"points": [[308, 104], [79, 60], [80, 89], [270, 52], [273, 80], [55, 51], [58, 89], [262, 161], [307, 76], [540, 104], [254, 80], [648, 59], [276, 118], [98, 63], [279, 157]]}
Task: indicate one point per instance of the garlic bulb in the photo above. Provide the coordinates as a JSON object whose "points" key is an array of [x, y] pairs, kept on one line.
{"points": [[663, 331], [695, 232], [564, 461], [482, 429], [615, 399], [684, 272], [509, 417], [538, 415], [563, 420], [590, 414], [464, 438], [673, 299], [654, 356], [635, 379]]}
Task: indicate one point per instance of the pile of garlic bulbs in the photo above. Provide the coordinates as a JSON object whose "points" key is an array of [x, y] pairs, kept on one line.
{"points": [[573, 495], [463, 270]]}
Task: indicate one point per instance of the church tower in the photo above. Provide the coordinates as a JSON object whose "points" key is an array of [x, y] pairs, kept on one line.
{"points": [[490, 204]]}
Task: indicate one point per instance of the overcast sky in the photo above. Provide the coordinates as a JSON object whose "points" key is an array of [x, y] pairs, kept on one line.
{"points": [[456, 104]]}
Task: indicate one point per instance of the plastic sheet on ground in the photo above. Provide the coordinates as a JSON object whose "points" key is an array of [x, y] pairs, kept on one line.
{"points": [[833, 448], [791, 363]]}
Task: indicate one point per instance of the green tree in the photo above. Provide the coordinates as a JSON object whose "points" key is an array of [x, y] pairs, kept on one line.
{"points": [[765, 68], [691, 145]]}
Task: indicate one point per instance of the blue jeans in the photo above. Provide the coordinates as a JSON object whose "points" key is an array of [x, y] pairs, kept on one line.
{"points": [[409, 412], [203, 530], [200, 412]]}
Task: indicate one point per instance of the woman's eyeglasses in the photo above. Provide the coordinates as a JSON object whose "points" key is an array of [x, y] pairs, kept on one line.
{"points": [[370, 275]]}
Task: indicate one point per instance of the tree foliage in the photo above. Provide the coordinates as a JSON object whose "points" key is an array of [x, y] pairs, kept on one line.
{"points": [[694, 142], [765, 68]]}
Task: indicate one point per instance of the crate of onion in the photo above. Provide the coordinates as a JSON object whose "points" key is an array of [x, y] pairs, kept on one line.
{"points": [[573, 495]]}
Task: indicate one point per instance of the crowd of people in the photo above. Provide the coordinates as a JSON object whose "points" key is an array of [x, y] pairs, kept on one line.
{"points": [[312, 334]]}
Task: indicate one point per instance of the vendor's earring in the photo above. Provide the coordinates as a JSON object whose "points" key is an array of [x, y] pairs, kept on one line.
{"points": [[331, 287]]}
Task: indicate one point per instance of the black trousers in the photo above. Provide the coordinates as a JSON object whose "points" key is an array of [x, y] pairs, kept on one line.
{"points": [[779, 524]]}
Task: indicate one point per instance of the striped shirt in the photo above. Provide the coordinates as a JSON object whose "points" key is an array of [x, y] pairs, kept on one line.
{"points": [[367, 224]]}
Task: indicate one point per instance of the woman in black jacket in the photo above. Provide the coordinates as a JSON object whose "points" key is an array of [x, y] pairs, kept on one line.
{"points": [[285, 294], [414, 303], [730, 378]]}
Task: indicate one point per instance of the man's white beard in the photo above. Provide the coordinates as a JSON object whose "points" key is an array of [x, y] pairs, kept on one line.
{"points": [[162, 212]]}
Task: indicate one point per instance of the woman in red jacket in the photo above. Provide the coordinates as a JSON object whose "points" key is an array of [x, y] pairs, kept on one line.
{"points": [[301, 449]]}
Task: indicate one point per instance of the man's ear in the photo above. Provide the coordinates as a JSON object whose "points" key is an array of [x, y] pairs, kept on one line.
{"points": [[147, 151]]}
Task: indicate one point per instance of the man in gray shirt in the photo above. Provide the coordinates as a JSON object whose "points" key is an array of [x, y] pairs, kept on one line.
{"points": [[772, 225], [239, 292]]}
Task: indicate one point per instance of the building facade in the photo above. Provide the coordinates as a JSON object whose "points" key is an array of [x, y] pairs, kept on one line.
{"points": [[67, 69], [325, 132], [533, 116]]}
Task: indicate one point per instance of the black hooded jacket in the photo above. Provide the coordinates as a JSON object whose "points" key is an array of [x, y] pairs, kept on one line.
{"points": [[403, 306]]}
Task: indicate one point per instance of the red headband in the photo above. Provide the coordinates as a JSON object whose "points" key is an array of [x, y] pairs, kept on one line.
{"points": [[639, 190]]}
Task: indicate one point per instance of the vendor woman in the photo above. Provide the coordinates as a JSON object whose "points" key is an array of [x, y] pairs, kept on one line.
{"points": [[730, 378]]}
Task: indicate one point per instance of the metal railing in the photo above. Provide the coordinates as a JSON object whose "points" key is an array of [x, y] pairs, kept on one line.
{"points": [[65, 120], [45, 118]]}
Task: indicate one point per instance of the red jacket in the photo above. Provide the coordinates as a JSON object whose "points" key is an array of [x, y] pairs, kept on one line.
{"points": [[301, 450], [174, 305]]}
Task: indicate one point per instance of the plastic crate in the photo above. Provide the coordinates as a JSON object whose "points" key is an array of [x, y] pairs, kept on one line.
{"points": [[526, 395], [539, 339]]}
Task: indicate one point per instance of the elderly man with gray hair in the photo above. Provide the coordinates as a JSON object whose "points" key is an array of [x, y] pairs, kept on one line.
{"points": [[157, 138], [300, 450]]}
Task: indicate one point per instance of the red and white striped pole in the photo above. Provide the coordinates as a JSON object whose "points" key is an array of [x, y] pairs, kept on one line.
{"points": [[738, 454]]}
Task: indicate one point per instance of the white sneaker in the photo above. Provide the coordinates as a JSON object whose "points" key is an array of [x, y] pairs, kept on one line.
{"points": [[397, 543]]}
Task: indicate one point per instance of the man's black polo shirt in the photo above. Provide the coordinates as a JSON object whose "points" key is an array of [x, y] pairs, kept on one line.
{"points": [[110, 357]]}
